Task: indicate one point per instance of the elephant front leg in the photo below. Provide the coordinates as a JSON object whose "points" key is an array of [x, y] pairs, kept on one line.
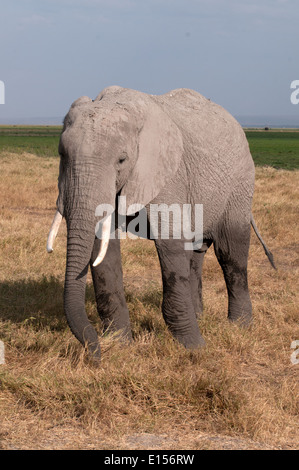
{"points": [[109, 290], [177, 307]]}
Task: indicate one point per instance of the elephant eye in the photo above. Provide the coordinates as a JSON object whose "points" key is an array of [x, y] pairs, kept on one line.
{"points": [[122, 159]]}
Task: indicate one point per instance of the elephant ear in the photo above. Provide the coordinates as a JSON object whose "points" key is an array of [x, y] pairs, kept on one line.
{"points": [[160, 149]]}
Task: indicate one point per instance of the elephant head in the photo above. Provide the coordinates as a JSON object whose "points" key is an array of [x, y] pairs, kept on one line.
{"points": [[122, 143]]}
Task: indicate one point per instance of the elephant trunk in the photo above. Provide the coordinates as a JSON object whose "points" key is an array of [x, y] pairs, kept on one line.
{"points": [[81, 224], [80, 242]]}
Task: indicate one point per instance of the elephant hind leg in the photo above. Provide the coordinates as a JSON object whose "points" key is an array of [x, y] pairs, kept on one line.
{"points": [[231, 248], [196, 264]]}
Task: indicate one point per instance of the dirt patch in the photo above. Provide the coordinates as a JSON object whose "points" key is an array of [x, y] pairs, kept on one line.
{"points": [[68, 438]]}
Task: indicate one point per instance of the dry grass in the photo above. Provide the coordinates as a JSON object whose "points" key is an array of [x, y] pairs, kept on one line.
{"points": [[240, 391]]}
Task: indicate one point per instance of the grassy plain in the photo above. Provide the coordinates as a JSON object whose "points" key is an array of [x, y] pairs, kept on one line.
{"points": [[38, 140], [240, 391], [277, 148]]}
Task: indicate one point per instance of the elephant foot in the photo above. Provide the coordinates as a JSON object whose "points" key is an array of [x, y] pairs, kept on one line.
{"points": [[191, 341], [198, 312], [244, 320], [122, 334], [240, 312], [94, 353]]}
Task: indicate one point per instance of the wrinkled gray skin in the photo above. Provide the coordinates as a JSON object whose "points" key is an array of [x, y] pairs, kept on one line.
{"points": [[175, 148]]}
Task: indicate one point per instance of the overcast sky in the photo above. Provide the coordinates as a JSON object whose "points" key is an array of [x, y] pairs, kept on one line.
{"points": [[241, 54]]}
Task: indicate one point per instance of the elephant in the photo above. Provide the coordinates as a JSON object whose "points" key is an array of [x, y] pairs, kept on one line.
{"points": [[176, 148]]}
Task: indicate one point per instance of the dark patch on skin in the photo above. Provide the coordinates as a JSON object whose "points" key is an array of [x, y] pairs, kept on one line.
{"points": [[171, 280], [83, 273], [233, 271]]}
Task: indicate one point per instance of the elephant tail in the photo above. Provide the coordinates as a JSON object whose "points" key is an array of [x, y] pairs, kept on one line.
{"points": [[267, 251]]}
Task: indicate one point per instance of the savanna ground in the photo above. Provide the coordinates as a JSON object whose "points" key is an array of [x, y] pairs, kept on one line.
{"points": [[239, 392]]}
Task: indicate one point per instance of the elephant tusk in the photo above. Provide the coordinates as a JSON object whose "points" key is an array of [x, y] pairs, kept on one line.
{"points": [[53, 231], [105, 241]]}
